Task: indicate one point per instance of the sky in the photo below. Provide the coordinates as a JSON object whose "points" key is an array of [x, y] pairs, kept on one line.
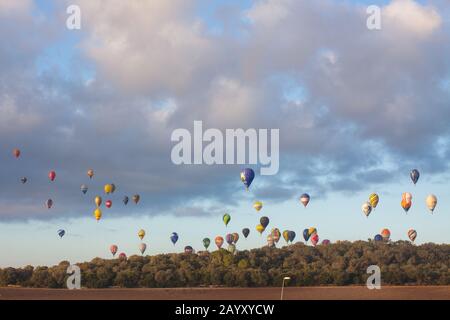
{"points": [[357, 109]]}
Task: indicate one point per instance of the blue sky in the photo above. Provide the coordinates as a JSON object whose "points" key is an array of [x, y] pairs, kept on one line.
{"points": [[357, 110]]}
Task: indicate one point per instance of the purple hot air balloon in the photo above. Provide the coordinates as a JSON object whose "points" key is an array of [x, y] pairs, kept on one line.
{"points": [[247, 176], [326, 242], [229, 238]]}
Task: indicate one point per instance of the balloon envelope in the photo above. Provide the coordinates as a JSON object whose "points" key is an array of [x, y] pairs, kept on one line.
{"points": [[113, 248], [90, 173], [258, 205], [98, 214], [386, 234], [52, 175], [125, 200], [304, 199], [141, 234], [314, 239], [260, 228], [108, 203], [98, 201], [49, 203], [378, 237], [188, 249], [306, 235], [431, 202], [16, 153], [24, 180], [207, 242], [229, 238], [136, 198], [373, 200], [412, 234], [246, 232], [219, 241], [414, 174], [226, 218], [174, 237], [366, 208], [264, 221], [61, 233], [247, 176], [291, 235], [142, 247], [84, 188], [286, 236]]}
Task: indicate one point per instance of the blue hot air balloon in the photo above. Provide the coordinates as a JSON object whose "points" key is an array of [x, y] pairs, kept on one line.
{"points": [[415, 174], [174, 237], [247, 176], [306, 234], [291, 236], [378, 237], [61, 233]]}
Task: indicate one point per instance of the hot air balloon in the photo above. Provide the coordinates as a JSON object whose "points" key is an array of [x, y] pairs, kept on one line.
{"points": [[229, 238], [188, 249], [407, 196], [291, 235], [235, 237], [373, 200], [247, 176], [142, 247], [315, 239], [260, 228], [16, 153], [304, 199], [113, 249], [286, 235], [49, 203], [90, 173], [412, 234], [276, 234], [231, 248], [136, 198], [325, 242], [113, 187], [431, 202], [366, 208], [306, 235], [122, 256], [84, 188], [23, 180], [414, 174], [312, 231], [61, 233], [219, 241], [386, 234], [141, 234], [107, 188], [264, 221], [405, 205], [52, 175], [108, 203], [226, 219], [246, 232], [174, 237], [98, 201], [378, 237], [207, 242], [258, 205], [270, 242], [125, 200], [98, 214]]}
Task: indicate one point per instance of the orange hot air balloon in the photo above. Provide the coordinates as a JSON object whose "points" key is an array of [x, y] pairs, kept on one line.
{"points": [[16, 153], [386, 234], [52, 175], [219, 242], [406, 205], [113, 249], [98, 201]]}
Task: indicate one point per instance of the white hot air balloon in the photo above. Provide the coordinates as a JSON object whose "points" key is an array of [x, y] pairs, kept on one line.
{"points": [[366, 208], [431, 202]]}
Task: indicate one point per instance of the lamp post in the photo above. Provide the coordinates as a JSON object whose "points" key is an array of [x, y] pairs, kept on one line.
{"points": [[282, 286]]}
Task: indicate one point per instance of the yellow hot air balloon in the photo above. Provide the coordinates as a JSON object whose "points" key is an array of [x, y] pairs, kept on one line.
{"points": [[431, 202], [260, 228], [258, 205], [98, 201], [97, 214], [312, 231], [108, 188], [141, 234], [373, 200]]}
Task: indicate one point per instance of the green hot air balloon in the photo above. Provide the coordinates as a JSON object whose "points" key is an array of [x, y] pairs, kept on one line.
{"points": [[226, 219], [206, 243]]}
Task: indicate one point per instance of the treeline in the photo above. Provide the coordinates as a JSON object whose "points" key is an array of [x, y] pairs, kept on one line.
{"points": [[342, 263]]}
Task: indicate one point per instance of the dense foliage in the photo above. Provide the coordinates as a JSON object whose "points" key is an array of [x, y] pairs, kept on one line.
{"points": [[342, 263]]}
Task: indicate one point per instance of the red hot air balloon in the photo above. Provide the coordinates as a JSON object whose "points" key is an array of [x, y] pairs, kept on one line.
{"points": [[52, 175], [122, 256], [315, 239], [16, 153], [108, 203], [113, 249]]}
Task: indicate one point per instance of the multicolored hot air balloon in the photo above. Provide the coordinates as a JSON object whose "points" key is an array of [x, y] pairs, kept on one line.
{"points": [[141, 234], [431, 202], [304, 199], [188, 250], [312, 231], [61, 233], [286, 236], [264, 221], [84, 188], [90, 173], [136, 198], [49, 203], [174, 237], [52, 175], [276, 234], [229, 238], [258, 205], [414, 174], [108, 203], [373, 200], [142, 247], [306, 235], [386, 234], [315, 239], [219, 241], [247, 176], [412, 234], [226, 219], [113, 248], [98, 214], [16, 153], [207, 242], [260, 228], [378, 237], [366, 208], [125, 200], [98, 201], [235, 237], [246, 232]]}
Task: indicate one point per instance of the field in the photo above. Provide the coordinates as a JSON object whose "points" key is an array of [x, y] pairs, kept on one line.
{"points": [[297, 293]]}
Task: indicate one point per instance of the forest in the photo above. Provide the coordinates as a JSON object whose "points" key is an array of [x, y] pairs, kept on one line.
{"points": [[341, 263]]}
